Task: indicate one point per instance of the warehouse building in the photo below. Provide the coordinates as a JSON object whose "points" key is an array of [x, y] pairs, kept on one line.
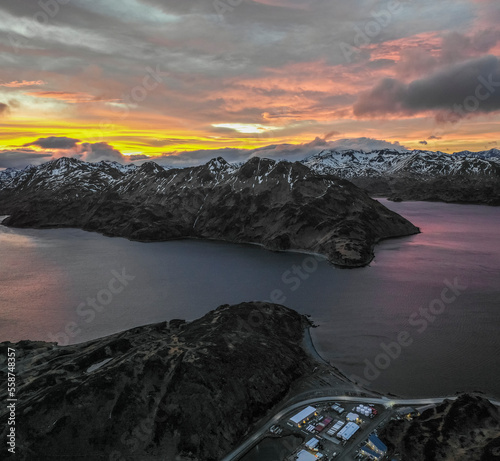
{"points": [[374, 449], [313, 444], [335, 428], [377, 445], [303, 416], [369, 453], [304, 455], [338, 409], [348, 431]]}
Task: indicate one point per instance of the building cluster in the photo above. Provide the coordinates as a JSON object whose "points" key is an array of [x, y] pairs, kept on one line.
{"points": [[332, 426]]}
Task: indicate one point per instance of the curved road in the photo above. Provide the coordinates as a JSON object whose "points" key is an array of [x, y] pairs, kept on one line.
{"points": [[239, 451]]}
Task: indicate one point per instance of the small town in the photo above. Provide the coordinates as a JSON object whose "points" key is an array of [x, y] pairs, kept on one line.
{"points": [[335, 430]]}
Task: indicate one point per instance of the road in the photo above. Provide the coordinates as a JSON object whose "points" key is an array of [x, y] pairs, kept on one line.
{"points": [[388, 402]]}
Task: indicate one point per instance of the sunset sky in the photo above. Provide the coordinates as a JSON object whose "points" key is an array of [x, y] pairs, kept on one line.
{"points": [[191, 79]]}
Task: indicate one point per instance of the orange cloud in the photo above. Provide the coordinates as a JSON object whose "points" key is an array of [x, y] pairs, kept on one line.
{"points": [[68, 96], [18, 84]]}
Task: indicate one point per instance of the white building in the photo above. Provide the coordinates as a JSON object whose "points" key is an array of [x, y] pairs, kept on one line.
{"points": [[303, 416], [352, 417], [312, 444], [348, 431], [305, 456]]}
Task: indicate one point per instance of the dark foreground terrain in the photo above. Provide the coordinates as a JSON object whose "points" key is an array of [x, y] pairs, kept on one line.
{"points": [[181, 391], [280, 205], [170, 391], [467, 429]]}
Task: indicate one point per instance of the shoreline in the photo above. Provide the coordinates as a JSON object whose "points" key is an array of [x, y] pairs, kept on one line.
{"points": [[310, 348], [344, 264]]}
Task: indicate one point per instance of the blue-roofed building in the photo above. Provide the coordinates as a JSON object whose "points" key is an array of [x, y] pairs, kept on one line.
{"points": [[377, 445], [369, 453]]}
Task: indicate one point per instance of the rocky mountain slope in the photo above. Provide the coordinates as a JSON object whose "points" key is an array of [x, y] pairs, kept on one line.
{"points": [[280, 205], [467, 429], [463, 177], [174, 390]]}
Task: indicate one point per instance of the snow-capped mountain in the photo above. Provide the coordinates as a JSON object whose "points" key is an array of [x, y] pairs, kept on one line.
{"points": [[384, 163], [464, 177], [10, 173], [280, 205], [59, 173], [492, 154]]}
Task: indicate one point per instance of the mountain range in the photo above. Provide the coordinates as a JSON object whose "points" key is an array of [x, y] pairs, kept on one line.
{"points": [[279, 205], [463, 177]]}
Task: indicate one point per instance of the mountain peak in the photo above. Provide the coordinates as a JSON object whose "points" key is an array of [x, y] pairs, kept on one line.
{"points": [[151, 168]]}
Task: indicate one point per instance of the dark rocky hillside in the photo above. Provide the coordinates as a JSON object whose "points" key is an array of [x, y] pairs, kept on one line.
{"points": [[280, 205], [467, 429], [174, 390]]}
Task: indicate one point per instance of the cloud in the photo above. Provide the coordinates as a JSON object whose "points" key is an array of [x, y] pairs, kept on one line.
{"points": [[365, 144], [70, 97], [423, 142], [435, 137], [54, 142], [138, 157], [450, 92], [290, 152], [20, 158], [457, 46], [72, 147], [24, 83], [95, 152], [4, 109], [331, 134], [243, 67]]}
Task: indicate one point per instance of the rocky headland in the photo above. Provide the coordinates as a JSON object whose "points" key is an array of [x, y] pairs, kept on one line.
{"points": [[279, 205], [173, 390]]}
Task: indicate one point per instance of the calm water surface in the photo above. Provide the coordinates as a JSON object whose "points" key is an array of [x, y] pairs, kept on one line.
{"points": [[55, 285]]}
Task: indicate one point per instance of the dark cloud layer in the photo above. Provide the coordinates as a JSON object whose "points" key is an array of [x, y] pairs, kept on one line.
{"points": [[20, 158], [462, 89], [4, 109], [54, 142], [101, 151], [59, 146]]}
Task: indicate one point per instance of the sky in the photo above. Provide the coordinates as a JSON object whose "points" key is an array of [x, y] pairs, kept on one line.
{"points": [[185, 81]]}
